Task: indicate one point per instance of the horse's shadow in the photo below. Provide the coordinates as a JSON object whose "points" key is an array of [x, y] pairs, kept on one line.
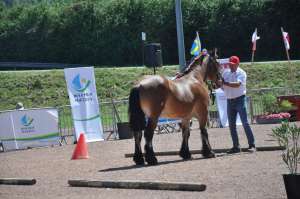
{"points": [[142, 166], [159, 164]]}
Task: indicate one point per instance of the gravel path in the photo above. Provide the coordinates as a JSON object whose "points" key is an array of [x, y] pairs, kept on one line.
{"points": [[242, 176]]}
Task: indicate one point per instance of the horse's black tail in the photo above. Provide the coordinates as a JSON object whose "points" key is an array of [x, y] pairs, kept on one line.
{"points": [[136, 115]]}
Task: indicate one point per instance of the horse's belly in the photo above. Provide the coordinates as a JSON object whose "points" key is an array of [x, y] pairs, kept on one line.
{"points": [[169, 115], [176, 110]]}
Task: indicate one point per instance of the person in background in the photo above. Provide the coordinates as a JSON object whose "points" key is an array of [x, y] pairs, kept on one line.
{"points": [[19, 106], [204, 51], [234, 86]]}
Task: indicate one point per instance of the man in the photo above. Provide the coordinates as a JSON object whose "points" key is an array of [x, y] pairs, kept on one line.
{"points": [[234, 85]]}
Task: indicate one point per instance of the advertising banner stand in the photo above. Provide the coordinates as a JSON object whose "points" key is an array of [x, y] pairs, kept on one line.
{"points": [[222, 108], [84, 103], [22, 129]]}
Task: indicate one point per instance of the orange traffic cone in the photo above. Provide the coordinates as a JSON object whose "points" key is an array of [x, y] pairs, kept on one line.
{"points": [[81, 151]]}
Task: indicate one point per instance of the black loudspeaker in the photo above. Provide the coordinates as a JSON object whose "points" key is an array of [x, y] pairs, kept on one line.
{"points": [[153, 56]]}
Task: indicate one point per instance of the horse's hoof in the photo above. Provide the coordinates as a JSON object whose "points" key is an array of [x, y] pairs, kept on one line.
{"points": [[185, 155], [151, 160], [209, 155], [139, 160]]}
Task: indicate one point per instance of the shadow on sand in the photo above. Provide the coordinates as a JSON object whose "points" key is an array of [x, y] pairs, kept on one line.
{"points": [[159, 163]]}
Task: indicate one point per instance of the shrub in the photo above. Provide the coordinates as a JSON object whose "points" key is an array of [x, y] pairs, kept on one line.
{"points": [[285, 106], [269, 103], [288, 136]]}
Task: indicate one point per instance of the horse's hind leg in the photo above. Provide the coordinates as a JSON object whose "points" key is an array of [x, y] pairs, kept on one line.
{"points": [[185, 151], [138, 155], [149, 131]]}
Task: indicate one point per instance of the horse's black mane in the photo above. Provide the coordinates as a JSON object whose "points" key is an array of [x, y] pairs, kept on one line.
{"points": [[193, 64]]}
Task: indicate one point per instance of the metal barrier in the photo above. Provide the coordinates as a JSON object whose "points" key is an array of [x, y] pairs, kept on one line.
{"points": [[258, 94], [109, 116]]}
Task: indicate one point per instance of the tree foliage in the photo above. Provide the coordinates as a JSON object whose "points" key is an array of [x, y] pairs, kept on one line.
{"points": [[108, 32]]}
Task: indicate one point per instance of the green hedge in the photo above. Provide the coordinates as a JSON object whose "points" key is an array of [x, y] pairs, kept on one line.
{"points": [[108, 32]]}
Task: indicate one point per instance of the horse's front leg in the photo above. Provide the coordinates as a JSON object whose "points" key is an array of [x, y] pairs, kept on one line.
{"points": [[184, 150], [138, 155], [149, 153], [206, 148]]}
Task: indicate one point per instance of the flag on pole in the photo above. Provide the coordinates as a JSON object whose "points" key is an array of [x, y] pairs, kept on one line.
{"points": [[196, 46], [286, 40], [254, 38]]}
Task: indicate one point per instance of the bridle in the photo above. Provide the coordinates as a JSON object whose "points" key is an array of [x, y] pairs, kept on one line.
{"points": [[208, 70], [218, 77]]}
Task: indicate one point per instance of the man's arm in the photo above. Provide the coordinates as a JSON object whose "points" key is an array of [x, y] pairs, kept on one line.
{"points": [[241, 79], [232, 84]]}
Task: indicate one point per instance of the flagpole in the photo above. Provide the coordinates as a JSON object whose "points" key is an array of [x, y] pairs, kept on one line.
{"points": [[290, 81], [180, 35], [252, 58], [198, 39]]}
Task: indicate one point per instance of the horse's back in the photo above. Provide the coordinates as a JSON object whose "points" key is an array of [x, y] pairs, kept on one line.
{"points": [[153, 94]]}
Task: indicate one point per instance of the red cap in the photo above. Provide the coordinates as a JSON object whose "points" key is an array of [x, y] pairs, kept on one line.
{"points": [[234, 60]]}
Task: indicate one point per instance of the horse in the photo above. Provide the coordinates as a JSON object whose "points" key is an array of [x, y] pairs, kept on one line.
{"points": [[183, 98]]}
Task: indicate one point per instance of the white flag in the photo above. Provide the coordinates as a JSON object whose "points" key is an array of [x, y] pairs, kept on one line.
{"points": [[286, 40], [254, 38]]}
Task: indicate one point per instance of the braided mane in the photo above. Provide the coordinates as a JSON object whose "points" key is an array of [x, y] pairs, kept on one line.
{"points": [[196, 62]]}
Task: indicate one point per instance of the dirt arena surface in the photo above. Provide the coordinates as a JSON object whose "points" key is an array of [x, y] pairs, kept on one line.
{"points": [[242, 176]]}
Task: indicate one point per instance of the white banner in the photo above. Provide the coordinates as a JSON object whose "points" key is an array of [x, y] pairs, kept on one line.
{"points": [[222, 108], [84, 102], [29, 128]]}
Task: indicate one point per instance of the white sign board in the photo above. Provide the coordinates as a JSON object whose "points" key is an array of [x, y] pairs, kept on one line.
{"points": [[22, 129], [222, 108], [84, 102]]}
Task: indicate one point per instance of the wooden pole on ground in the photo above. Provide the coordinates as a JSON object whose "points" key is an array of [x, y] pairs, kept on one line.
{"points": [[167, 153], [17, 181], [138, 185]]}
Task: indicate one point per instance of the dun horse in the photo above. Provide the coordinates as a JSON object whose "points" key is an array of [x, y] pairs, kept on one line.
{"points": [[186, 97]]}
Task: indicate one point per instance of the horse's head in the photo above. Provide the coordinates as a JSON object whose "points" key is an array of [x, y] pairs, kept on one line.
{"points": [[210, 67], [213, 71]]}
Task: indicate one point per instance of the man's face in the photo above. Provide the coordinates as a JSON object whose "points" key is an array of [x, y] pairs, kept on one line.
{"points": [[233, 67]]}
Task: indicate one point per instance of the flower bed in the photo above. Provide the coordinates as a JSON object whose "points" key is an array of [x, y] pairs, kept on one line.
{"points": [[272, 118]]}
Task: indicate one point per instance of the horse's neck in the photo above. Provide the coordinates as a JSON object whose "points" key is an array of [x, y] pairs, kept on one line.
{"points": [[199, 72]]}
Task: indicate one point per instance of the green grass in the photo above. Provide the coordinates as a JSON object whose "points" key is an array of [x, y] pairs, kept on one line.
{"points": [[40, 88]]}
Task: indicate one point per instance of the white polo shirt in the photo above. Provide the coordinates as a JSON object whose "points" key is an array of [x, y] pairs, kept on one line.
{"points": [[238, 76]]}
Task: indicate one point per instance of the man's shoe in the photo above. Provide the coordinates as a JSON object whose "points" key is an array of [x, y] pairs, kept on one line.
{"points": [[234, 150], [251, 149]]}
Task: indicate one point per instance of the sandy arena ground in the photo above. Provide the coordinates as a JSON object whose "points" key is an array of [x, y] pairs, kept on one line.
{"points": [[242, 176]]}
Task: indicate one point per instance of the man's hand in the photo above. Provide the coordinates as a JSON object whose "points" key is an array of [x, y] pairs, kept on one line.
{"points": [[220, 82], [225, 83]]}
